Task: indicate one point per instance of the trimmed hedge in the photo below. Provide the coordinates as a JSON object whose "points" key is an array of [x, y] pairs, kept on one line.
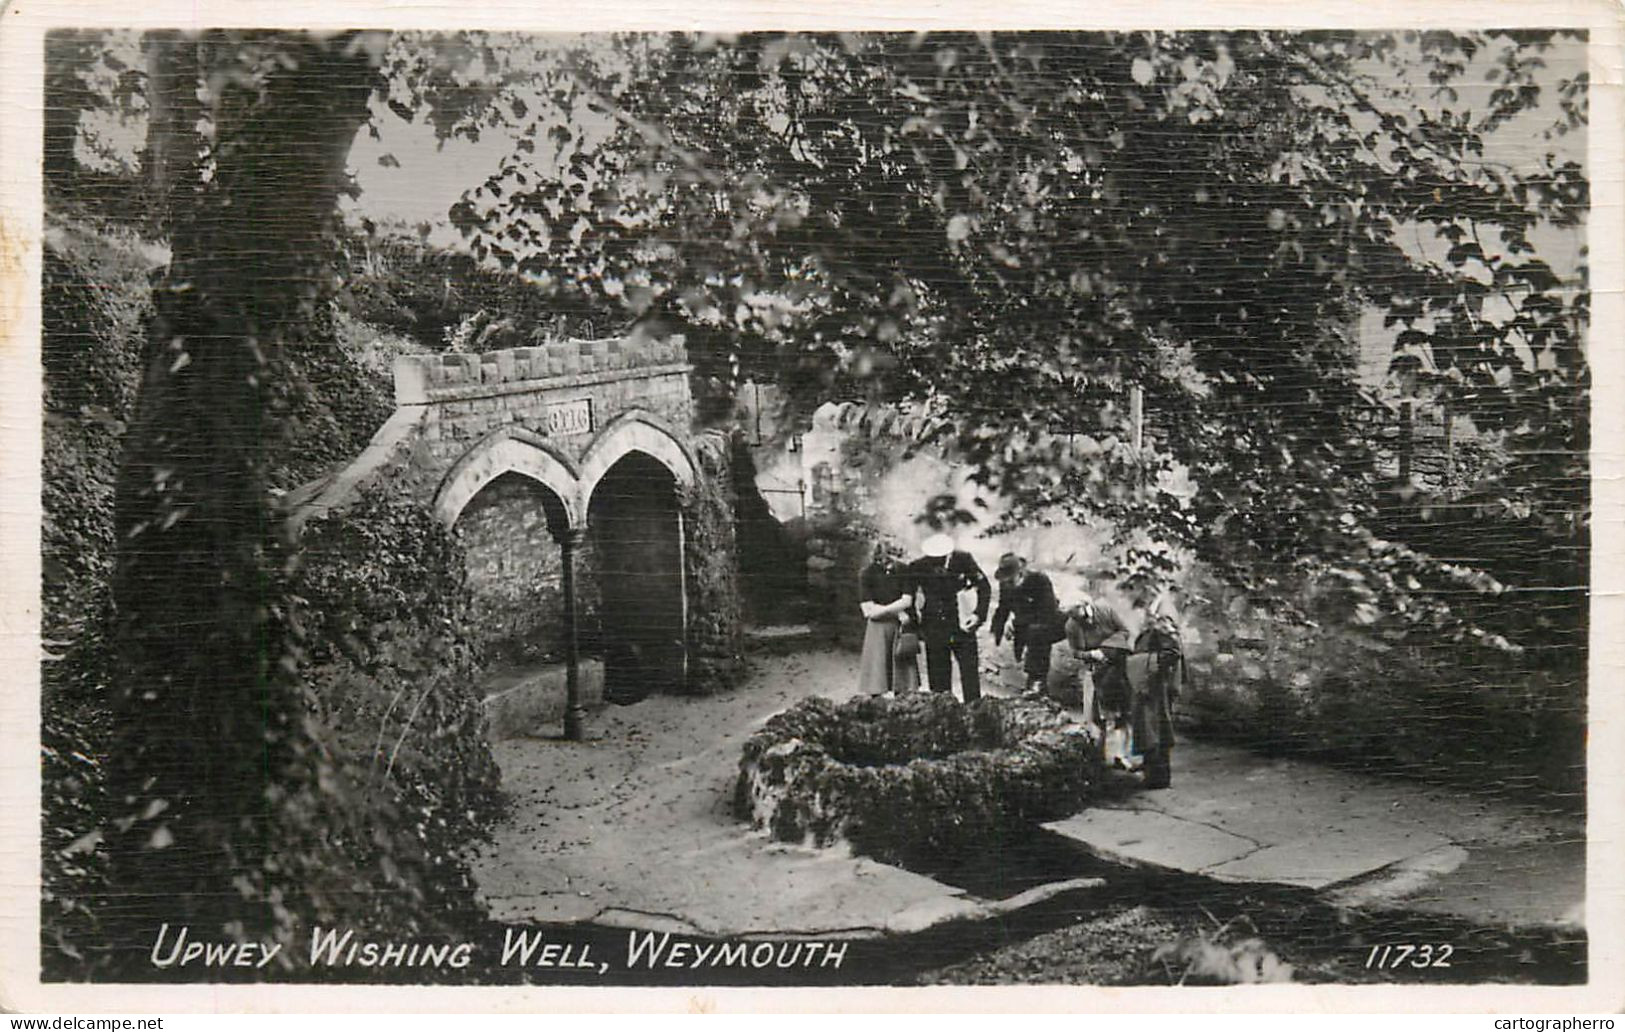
{"points": [[913, 779]]}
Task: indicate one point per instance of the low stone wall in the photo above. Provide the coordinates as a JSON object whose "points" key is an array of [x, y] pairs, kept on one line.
{"points": [[916, 779]]}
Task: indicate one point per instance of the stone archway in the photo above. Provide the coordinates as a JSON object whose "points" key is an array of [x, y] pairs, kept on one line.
{"points": [[557, 423], [502, 458], [511, 451], [637, 431], [510, 539], [635, 477]]}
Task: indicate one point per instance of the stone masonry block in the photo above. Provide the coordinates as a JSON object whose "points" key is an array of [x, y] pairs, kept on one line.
{"points": [[539, 363], [412, 381], [461, 369], [506, 363]]}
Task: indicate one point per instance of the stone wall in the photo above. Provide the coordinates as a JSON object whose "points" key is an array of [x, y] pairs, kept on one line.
{"points": [[514, 573], [837, 553], [842, 530]]}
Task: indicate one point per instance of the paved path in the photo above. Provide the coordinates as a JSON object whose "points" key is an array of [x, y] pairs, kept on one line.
{"points": [[1363, 841], [634, 828]]}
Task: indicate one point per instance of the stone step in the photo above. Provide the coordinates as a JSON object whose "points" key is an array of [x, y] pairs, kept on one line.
{"points": [[1327, 857]]}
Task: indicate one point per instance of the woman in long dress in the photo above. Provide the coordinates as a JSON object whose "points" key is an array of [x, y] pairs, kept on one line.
{"points": [[888, 609]]}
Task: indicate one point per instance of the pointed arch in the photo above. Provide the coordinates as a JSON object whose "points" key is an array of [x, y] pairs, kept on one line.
{"points": [[512, 450], [636, 431]]}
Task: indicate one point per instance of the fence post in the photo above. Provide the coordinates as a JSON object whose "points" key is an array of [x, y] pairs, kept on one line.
{"points": [[1136, 410], [1407, 438]]}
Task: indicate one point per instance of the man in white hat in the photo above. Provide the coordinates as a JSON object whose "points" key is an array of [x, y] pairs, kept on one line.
{"points": [[938, 578]]}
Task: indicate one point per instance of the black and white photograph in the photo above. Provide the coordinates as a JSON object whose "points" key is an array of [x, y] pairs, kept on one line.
{"points": [[836, 503]]}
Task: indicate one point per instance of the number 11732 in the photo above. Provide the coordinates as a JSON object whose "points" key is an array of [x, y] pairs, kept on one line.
{"points": [[1388, 956]]}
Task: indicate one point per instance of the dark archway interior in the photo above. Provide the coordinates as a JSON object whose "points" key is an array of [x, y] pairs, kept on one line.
{"points": [[514, 569], [633, 525], [772, 556]]}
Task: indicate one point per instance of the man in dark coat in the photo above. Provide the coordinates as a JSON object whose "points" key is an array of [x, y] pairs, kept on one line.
{"points": [[1027, 601], [937, 580]]}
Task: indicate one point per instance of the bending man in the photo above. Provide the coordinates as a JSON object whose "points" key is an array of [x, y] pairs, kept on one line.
{"points": [[1027, 602]]}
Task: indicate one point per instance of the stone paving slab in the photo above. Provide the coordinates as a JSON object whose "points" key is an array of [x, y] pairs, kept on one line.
{"points": [[743, 888], [1148, 837], [1541, 886], [1329, 857]]}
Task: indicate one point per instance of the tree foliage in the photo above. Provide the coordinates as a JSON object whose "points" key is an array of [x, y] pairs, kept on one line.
{"points": [[1014, 230]]}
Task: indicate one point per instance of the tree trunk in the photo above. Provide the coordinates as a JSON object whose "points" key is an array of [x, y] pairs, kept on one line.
{"points": [[173, 112], [209, 714]]}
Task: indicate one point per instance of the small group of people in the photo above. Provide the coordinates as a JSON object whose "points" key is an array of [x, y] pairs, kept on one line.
{"points": [[914, 606]]}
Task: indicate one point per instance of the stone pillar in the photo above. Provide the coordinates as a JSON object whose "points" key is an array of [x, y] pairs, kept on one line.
{"points": [[575, 713], [685, 499]]}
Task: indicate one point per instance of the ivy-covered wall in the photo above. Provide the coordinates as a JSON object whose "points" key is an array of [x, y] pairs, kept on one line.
{"points": [[715, 605]]}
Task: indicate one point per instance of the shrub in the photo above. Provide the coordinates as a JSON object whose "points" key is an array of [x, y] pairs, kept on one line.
{"points": [[444, 298], [382, 603], [915, 779], [95, 297]]}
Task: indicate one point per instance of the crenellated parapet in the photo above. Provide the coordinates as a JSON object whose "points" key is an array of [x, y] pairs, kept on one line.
{"points": [[422, 379]]}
